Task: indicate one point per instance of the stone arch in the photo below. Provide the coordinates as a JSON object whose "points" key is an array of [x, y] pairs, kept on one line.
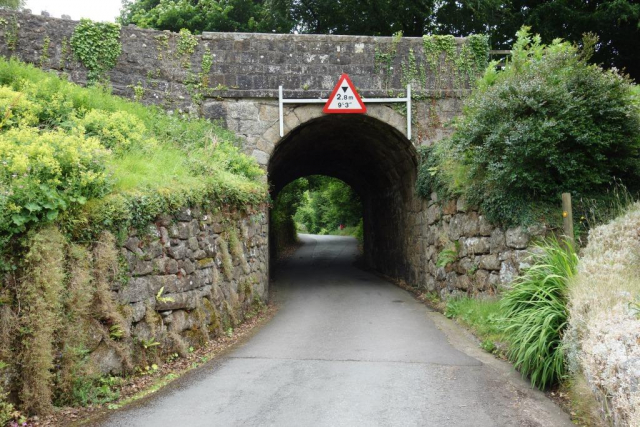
{"points": [[370, 153], [294, 117]]}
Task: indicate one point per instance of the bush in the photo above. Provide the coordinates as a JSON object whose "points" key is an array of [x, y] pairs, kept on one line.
{"points": [[548, 123], [46, 172], [117, 130], [535, 313], [94, 160]]}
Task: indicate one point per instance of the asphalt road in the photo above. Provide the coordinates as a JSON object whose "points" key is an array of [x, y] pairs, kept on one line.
{"points": [[348, 349]]}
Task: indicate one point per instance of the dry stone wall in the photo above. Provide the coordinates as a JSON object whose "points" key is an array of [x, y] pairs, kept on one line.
{"points": [[483, 258], [189, 278]]}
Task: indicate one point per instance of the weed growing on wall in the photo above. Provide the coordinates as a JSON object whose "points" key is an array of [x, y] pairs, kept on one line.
{"points": [[76, 302], [97, 46], [227, 263], [39, 296]]}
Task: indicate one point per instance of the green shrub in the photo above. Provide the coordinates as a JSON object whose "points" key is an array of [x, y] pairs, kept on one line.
{"points": [[45, 173], [15, 110], [117, 130], [535, 313], [548, 123]]}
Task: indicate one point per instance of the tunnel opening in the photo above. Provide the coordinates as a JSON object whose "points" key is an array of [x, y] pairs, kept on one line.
{"points": [[372, 157], [317, 205]]}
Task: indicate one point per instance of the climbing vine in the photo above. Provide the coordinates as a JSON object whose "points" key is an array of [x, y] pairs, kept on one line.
{"points": [[384, 59], [64, 52], [435, 47], [187, 44], [44, 56], [11, 32], [463, 62], [97, 46]]}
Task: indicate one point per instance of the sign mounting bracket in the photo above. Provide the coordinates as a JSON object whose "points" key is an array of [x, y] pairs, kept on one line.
{"points": [[282, 101]]}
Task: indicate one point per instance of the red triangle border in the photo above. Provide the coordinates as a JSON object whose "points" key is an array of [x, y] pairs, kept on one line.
{"points": [[328, 110]]}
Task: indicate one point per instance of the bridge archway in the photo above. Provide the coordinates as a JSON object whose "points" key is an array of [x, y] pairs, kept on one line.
{"points": [[375, 159]]}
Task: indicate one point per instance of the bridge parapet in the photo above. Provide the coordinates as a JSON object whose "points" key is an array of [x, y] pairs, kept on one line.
{"points": [[199, 73]]}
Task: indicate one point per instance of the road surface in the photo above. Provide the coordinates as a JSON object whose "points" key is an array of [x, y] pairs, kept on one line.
{"points": [[348, 349]]}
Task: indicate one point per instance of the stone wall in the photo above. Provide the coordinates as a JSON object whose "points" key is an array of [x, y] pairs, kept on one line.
{"points": [[189, 278], [486, 258]]}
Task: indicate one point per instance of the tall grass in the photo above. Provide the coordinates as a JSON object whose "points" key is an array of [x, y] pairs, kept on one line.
{"points": [[535, 314]]}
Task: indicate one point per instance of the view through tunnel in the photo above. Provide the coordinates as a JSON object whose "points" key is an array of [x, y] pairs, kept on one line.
{"points": [[370, 156]]}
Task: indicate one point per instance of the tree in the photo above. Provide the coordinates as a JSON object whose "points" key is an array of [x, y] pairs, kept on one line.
{"points": [[203, 15], [12, 4], [616, 22], [357, 17]]}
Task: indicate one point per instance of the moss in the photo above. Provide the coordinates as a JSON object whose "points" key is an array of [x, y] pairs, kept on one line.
{"points": [[74, 329], [227, 264], [106, 269], [39, 296], [238, 251], [205, 262], [201, 328], [231, 312], [214, 317], [178, 344]]}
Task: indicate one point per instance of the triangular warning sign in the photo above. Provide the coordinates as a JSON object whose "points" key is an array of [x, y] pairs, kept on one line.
{"points": [[346, 100]]}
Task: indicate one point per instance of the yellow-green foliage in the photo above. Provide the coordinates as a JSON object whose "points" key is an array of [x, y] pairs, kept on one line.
{"points": [[61, 141], [45, 172], [39, 297], [117, 130], [16, 110]]}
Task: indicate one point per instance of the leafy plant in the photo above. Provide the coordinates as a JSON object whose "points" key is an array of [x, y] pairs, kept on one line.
{"points": [[535, 313], [149, 343], [92, 161], [116, 333], [162, 299], [448, 255], [546, 124], [96, 391], [97, 46]]}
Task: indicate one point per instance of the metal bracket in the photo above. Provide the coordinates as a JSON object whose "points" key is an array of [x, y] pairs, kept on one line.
{"points": [[282, 101]]}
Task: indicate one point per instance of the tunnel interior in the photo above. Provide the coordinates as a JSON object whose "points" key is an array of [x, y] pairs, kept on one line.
{"points": [[375, 159]]}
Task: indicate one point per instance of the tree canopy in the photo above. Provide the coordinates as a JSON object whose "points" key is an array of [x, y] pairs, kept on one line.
{"points": [[616, 22]]}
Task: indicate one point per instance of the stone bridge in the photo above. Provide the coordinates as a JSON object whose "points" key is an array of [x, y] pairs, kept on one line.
{"points": [[235, 77]]}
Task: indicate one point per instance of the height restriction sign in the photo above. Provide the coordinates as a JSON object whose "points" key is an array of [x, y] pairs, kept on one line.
{"points": [[344, 98]]}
